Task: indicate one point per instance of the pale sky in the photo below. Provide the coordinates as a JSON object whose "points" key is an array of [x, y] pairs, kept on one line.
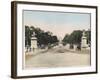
{"points": [[59, 23]]}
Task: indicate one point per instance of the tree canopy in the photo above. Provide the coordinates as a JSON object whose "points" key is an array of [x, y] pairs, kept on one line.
{"points": [[43, 38], [75, 37]]}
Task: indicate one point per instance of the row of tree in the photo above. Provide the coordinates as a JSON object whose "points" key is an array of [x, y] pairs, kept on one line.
{"points": [[75, 37], [47, 38], [43, 38]]}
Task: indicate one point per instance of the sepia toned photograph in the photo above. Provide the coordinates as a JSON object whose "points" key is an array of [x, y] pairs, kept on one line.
{"points": [[49, 39], [57, 39]]}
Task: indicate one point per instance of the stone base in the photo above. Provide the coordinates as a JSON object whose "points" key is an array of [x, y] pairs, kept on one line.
{"points": [[32, 52], [83, 48]]}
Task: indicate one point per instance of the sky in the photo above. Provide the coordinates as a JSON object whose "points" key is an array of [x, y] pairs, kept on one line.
{"points": [[59, 23]]}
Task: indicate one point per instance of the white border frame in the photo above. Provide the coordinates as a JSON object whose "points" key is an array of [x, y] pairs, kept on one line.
{"points": [[24, 72]]}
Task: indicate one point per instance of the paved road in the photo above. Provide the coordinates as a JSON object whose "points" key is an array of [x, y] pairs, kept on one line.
{"points": [[54, 59]]}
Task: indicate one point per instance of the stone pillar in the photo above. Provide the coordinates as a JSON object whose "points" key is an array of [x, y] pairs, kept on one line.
{"points": [[83, 41], [75, 47], [33, 44]]}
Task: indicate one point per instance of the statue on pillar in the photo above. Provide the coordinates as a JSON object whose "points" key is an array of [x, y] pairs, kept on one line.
{"points": [[83, 40], [33, 42]]}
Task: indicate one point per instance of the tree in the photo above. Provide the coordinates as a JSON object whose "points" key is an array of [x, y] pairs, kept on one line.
{"points": [[27, 36], [73, 38], [43, 38], [76, 37], [66, 39], [88, 35]]}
